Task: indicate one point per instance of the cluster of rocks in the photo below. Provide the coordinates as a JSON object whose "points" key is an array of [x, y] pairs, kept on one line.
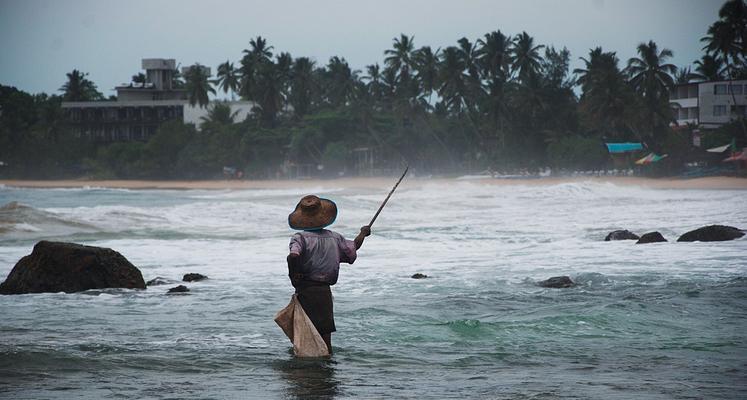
{"points": [[710, 233], [191, 277], [69, 267]]}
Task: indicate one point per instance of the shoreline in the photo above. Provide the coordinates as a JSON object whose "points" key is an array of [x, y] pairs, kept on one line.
{"points": [[716, 182]]}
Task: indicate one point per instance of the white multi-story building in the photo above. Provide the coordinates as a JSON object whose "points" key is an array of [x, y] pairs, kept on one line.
{"points": [[709, 105], [140, 108]]}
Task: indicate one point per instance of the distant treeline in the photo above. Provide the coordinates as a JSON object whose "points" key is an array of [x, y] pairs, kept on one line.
{"points": [[499, 101]]}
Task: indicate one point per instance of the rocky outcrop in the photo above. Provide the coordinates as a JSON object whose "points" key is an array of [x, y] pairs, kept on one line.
{"points": [[622, 234], [712, 233], [193, 277], [159, 281], [419, 276], [179, 289], [557, 282], [651, 237], [70, 267]]}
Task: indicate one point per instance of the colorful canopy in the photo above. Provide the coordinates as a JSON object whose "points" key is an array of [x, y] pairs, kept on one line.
{"points": [[719, 149], [741, 156], [651, 158], [623, 147]]}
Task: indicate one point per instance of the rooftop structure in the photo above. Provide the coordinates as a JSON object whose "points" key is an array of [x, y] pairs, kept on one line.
{"points": [[159, 83]]}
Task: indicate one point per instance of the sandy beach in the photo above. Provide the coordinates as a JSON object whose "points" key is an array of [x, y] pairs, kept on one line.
{"points": [[379, 182]]}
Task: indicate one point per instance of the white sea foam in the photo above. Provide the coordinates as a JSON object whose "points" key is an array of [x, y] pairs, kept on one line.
{"points": [[483, 247]]}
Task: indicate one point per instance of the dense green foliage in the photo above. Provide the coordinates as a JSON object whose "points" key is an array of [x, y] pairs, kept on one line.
{"points": [[498, 102]]}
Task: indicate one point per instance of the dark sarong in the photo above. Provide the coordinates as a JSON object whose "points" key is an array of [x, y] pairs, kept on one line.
{"points": [[316, 301]]}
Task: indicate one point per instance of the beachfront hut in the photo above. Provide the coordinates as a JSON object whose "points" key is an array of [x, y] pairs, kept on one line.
{"points": [[622, 153]]}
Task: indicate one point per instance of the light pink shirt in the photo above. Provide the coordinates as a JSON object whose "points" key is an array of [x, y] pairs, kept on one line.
{"points": [[321, 253]]}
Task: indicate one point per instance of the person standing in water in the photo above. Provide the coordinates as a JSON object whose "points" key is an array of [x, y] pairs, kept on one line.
{"points": [[314, 259]]}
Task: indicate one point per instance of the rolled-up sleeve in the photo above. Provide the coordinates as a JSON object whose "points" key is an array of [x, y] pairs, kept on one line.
{"points": [[296, 244], [347, 250]]}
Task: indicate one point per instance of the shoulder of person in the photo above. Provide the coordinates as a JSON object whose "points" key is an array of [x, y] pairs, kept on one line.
{"points": [[336, 235]]}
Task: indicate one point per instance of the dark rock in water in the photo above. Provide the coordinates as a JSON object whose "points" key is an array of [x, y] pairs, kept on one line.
{"points": [[179, 289], [651, 237], [159, 281], [557, 282], [419, 276], [622, 234], [712, 233], [193, 277], [70, 267]]}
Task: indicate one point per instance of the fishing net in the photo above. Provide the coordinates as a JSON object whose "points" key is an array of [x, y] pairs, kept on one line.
{"points": [[307, 342]]}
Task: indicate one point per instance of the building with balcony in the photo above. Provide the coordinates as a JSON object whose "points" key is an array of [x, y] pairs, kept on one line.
{"points": [[709, 105]]}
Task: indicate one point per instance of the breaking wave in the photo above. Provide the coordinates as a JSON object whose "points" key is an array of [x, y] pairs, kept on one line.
{"points": [[18, 220]]}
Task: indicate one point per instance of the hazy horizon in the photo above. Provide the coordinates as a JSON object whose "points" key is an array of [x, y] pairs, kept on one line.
{"points": [[44, 39]]}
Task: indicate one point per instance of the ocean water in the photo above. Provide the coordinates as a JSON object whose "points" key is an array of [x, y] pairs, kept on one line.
{"points": [[655, 321]]}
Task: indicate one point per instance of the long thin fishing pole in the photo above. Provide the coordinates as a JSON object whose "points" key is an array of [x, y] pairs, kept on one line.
{"points": [[387, 197]]}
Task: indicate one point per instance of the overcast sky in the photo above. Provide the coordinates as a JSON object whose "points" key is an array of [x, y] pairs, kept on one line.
{"points": [[41, 40]]}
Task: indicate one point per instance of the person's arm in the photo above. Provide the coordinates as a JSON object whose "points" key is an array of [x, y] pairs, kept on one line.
{"points": [[365, 231], [294, 268], [296, 247]]}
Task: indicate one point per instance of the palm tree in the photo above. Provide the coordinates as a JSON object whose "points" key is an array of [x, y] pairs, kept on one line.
{"points": [[198, 85], [219, 114], [451, 86], [494, 61], [302, 86], [341, 80], [374, 85], [388, 86], [494, 55], [400, 59], [139, 78], [651, 78], [268, 91], [683, 75], [525, 57], [727, 40], [227, 78], [598, 60], [79, 88], [648, 74], [727, 37], [426, 65], [605, 95], [177, 81], [469, 54], [260, 53], [555, 68], [284, 63], [709, 68]]}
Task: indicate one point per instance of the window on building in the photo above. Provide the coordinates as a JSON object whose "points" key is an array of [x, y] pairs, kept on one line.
{"points": [[693, 112], [738, 110], [719, 111], [735, 89], [719, 89], [692, 91]]}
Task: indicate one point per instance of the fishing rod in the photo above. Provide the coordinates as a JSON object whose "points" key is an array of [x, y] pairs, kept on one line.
{"points": [[387, 197]]}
